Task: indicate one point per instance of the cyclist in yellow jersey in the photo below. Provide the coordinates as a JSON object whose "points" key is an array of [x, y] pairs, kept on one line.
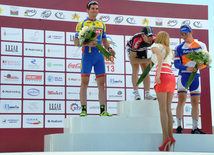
{"points": [[91, 57]]}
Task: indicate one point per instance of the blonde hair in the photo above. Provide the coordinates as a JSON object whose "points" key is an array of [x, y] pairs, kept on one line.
{"points": [[163, 38]]}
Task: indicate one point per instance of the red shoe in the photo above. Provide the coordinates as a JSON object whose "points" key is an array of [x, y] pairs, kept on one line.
{"points": [[173, 141], [165, 146]]}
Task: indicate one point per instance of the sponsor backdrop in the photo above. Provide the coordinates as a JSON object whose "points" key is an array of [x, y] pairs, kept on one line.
{"points": [[40, 66]]}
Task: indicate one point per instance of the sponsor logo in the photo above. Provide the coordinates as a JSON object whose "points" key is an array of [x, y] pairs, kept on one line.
{"points": [[52, 78], [34, 36], [94, 107], [10, 121], [54, 93], [32, 121], [11, 91], [33, 64], [172, 23], [33, 77], [11, 33], [104, 18], [33, 61], [74, 79], [54, 37], [33, 92], [131, 20], [159, 22], [71, 37], [75, 16], [60, 15], [49, 64], [46, 14], [145, 21], [173, 43], [14, 11], [54, 51], [55, 106], [54, 121], [33, 50], [112, 108], [115, 81], [30, 13], [186, 22], [33, 106], [198, 24], [74, 66], [74, 107], [119, 94], [10, 77], [11, 48], [8, 107], [11, 62], [1, 10], [118, 19], [73, 93], [188, 109]]}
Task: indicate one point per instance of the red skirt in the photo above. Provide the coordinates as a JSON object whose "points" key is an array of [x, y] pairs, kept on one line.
{"points": [[167, 83]]}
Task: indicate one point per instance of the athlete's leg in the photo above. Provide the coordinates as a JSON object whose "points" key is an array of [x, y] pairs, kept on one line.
{"points": [[180, 106], [195, 107], [101, 88], [83, 90], [146, 81], [182, 95]]}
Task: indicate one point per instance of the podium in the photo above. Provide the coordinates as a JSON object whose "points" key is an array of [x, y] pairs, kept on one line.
{"points": [[135, 128]]}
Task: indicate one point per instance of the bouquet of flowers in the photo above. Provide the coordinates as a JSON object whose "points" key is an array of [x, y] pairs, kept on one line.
{"points": [[145, 73], [201, 57], [87, 34]]}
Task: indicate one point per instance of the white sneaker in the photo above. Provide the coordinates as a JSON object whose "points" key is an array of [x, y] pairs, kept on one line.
{"points": [[149, 97], [137, 96]]}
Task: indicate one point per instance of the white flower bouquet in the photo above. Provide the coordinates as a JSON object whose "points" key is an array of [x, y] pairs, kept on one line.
{"points": [[87, 34], [201, 57]]}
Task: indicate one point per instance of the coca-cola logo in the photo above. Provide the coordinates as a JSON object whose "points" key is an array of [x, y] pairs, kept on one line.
{"points": [[74, 66]]}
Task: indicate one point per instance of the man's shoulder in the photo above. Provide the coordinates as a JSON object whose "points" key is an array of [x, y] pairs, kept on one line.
{"points": [[179, 46], [200, 43]]}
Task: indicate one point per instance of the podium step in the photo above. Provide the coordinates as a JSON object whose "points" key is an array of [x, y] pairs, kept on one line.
{"points": [[138, 108], [125, 142], [97, 124]]}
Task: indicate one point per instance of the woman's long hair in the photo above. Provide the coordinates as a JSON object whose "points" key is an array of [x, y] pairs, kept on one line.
{"points": [[163, 38]]}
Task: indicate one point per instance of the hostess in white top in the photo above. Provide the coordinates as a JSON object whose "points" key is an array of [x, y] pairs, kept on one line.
{"points": [[169, 59]]}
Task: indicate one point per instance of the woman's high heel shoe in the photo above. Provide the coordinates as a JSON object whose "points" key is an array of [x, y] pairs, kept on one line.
{"points": [[173, 141], [165, 146]]}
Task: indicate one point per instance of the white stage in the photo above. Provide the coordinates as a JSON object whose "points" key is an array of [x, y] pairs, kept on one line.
{"points": [[137, 129], [108, 153]]}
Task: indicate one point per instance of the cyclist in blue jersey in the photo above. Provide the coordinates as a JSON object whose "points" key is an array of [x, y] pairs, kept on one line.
{"points": [[186, 67], [91, 57]]}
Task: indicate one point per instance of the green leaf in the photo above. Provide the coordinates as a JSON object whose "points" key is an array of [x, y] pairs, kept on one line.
{"points": [[191, 78], [105, 53], [144, 74]]}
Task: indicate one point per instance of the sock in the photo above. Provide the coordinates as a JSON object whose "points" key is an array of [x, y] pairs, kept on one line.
{"points": [[83, 108], [102, 108], [147, 93], [194, 124], [136, 92], [179, 122]]}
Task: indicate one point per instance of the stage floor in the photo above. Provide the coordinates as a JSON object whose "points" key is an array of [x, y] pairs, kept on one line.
{"points": [[108, 153]]}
